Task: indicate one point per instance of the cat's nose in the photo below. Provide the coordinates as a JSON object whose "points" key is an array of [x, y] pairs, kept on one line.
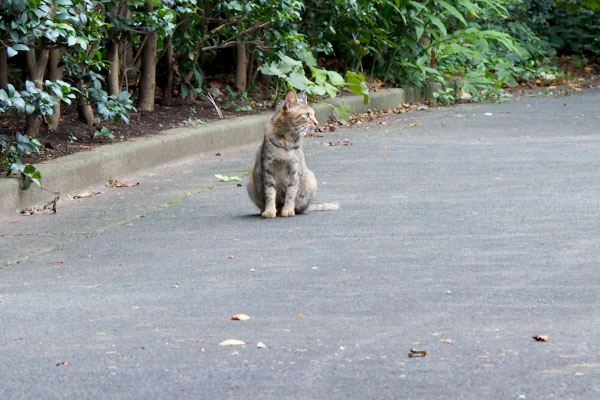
{"points": [[314, 121]]}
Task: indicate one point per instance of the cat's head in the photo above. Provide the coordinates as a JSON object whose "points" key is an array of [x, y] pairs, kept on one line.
{"points": [[299, 113]]}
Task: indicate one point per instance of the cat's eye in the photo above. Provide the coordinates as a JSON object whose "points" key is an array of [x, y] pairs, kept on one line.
{"points": [[307, 115]]}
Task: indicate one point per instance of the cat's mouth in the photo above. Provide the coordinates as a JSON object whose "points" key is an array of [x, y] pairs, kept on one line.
{"points": [[305, 130]]}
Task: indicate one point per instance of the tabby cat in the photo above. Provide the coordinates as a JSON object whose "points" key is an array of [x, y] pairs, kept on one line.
{"points": [[280, 182]]}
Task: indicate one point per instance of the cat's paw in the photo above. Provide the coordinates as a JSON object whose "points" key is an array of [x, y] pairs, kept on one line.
{"points": [[287, 213], [269, 213]]}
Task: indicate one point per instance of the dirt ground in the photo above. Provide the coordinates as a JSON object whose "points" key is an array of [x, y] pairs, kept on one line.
{"points": [[74, 135]]}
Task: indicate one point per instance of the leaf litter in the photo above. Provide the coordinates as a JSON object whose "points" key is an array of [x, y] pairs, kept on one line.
{"points": [[361, 118], [84, 195], [417, 353], [240, 317], [49, 208], [118, 184]]}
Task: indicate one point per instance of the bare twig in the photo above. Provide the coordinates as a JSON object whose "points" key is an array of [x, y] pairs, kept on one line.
{"points": [[212, 101], [229, 44]]}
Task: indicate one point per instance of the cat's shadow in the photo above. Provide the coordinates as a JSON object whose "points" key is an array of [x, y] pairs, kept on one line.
{"points": [[249, 216]]}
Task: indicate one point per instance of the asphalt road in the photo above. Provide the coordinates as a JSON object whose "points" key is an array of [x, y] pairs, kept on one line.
{"points": [[462, 232]]}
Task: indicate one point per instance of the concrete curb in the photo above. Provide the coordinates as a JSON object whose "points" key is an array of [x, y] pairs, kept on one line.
{"points": [[71, 174]]}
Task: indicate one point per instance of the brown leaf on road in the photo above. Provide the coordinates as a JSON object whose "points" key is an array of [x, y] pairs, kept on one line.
{"points": [[58, 262], [417, 353], [49, 207], [118, 184], [240, 317], [540, 338], [232, 342], [84, 195], [447, 341], [345, 142]]}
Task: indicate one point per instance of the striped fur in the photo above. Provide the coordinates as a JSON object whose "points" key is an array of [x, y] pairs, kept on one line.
{"points": [[280, 182]]}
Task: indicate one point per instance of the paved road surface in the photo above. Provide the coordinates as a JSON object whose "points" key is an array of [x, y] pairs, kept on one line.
{"points": [[461, 231]]}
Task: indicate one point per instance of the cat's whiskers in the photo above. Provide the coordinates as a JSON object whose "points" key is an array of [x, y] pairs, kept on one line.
{"points": [[303, 129]]}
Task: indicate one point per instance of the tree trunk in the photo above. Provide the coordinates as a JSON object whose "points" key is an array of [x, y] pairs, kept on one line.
{"points": [[3, 68], [147, 85], [241, 73], [167, 99], [85, 112], [54, 74], [112, 78], [250, 71], [35, 68]]}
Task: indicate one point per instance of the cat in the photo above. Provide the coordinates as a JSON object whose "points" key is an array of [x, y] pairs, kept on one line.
{"points": [[280, 182]]}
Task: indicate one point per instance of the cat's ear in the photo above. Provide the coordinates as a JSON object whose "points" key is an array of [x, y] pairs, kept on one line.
{"points": [[290, 99], [302, 98]]}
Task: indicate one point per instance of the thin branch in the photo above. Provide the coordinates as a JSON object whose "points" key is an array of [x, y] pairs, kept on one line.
{"points": [[229, 44], [212, 101]]}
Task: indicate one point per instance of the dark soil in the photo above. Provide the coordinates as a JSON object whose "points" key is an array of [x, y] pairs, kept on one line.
{"points": [[74, 135]]}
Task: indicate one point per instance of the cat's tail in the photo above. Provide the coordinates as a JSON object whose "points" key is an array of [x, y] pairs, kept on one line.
{"points": [[323, 207]]}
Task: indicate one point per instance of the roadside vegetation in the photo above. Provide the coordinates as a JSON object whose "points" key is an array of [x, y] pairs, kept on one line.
{"points": [[109, 58]]}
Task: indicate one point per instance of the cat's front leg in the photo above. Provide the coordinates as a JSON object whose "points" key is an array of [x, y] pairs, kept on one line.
{"points": [[270, 209], [290, 201]]}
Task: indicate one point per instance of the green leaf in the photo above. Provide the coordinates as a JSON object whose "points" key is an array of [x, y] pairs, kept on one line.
{"points": [[20, 47], [452, 10], [10, 52], [471, 8], [305, 55], [320, 75], [289, 61], [343, 112], [30, 87], [439, 24], [29, 169], [358, 84], [316, 90], [298, 80], [26, 182], [271, 69], [335, 78], [224, 178], [419, 29], [331, 90]]}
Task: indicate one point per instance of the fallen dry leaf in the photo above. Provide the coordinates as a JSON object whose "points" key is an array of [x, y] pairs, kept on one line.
{"points": [[417, 353], [231, 257], [58, 262], [232, 342], [345, 142], [49, 207], [540, 338], [84, 195], [118, 184], [447, 341], [240, 317]]}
